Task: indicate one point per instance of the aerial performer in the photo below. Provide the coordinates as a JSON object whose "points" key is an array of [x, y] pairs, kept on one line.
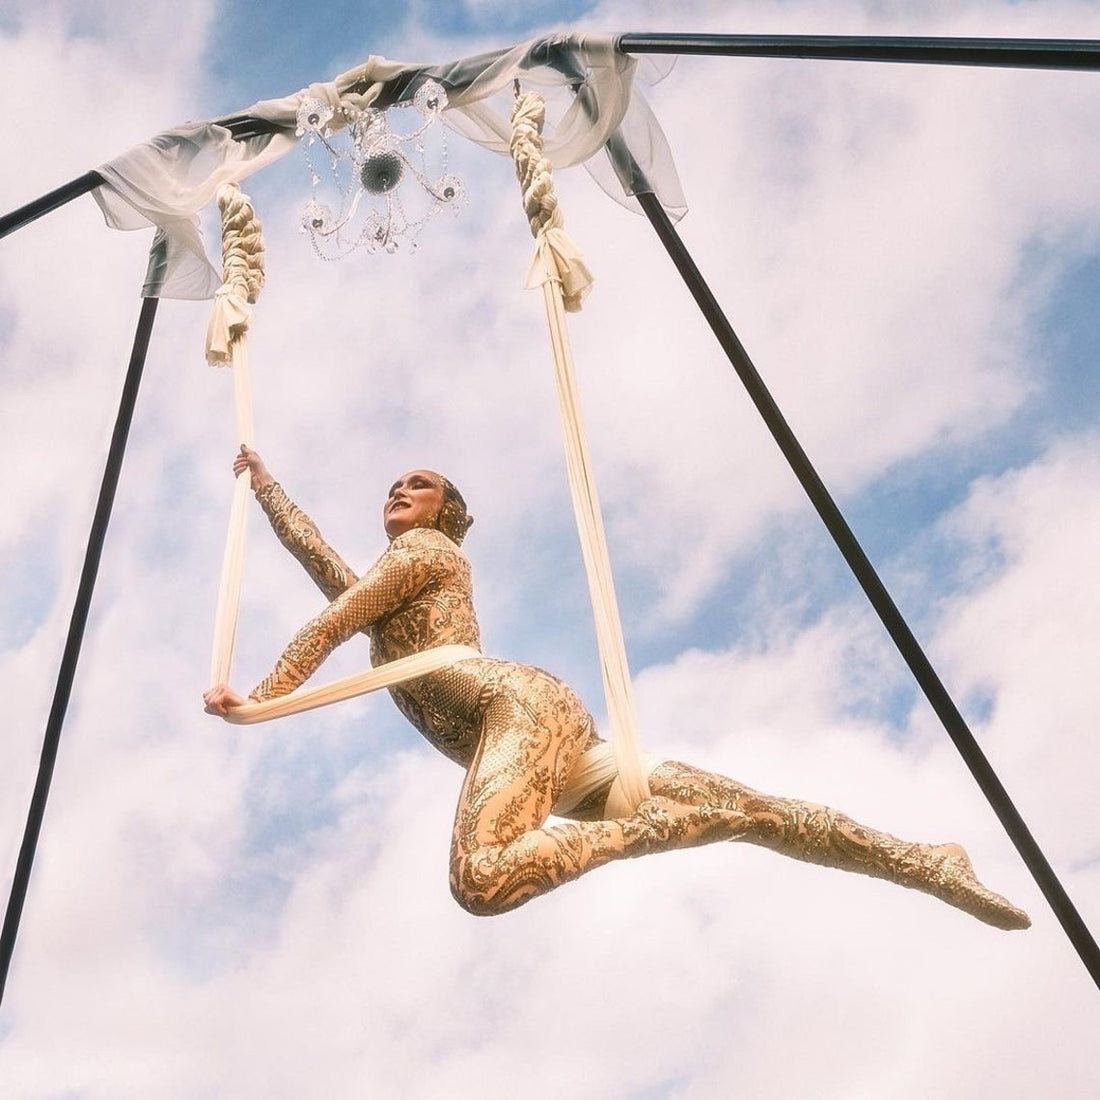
{"points": [[528, 745]]}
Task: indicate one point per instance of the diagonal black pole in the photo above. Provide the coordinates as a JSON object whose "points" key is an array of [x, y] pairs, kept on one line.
{"points": [[1007, 53], [1075, 928], [77, 624], [9, 223]]}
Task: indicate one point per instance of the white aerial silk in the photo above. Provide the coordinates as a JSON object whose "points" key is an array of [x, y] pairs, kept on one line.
{"points": [[561, 272], [557, 267], [614, 669], [227, 342], [374, 679], [565, 280]]}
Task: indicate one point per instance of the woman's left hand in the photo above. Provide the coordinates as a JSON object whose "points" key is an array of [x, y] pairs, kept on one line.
{"points": [[219, 699]]}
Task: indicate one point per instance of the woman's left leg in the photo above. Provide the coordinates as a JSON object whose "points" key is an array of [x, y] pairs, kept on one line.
{"points": [[818, 834]]}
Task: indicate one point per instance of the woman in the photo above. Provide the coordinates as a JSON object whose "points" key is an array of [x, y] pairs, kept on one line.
{"points": [[525, 739]]}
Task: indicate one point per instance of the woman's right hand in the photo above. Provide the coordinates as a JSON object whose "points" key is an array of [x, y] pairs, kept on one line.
{"points": [[248, 459], [220, 699]]}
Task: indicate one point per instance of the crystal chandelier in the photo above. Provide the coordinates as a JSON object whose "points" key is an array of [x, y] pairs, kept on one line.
{"points": [[384, 191]]}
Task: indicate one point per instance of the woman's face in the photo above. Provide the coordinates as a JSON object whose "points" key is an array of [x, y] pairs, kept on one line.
{"points": [[414, 501]]}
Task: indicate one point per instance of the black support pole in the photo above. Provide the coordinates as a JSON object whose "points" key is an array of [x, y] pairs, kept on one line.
{"points": [[1075, 928], [1007, 53], [77, 624], [9, 223]]}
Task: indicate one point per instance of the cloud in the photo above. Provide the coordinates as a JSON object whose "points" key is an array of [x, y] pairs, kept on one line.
{"points": [[265, 912]]}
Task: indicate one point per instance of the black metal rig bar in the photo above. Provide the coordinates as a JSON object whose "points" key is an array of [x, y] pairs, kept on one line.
{"points": [[1026, 53], [1075, 928], [1008, 53], [9, 223], [67, 671]]}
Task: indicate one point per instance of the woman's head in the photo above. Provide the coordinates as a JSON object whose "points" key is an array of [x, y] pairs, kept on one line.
{"points": [[423, 498]]}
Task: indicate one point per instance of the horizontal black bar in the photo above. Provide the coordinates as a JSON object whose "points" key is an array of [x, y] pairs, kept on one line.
{"points": [[9, 223], [1009, 53]]}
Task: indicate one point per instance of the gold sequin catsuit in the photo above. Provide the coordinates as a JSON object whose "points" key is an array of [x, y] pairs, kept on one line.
{"points": [[518, 731]]}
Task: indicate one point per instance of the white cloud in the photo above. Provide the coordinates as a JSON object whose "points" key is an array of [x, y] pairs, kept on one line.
{"points": [[265, 912]]}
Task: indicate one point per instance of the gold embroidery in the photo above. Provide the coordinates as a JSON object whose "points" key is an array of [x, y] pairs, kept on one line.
{"points": [[299, 534]]}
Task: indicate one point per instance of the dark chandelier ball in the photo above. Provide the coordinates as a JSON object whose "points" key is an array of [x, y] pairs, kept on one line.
{"points": [[382, 172]]}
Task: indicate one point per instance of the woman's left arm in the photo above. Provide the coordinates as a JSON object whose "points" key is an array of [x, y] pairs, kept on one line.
{"points": [[397, 576]]}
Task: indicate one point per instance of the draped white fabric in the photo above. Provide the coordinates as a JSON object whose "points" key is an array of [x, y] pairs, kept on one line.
{"points": [[560, 270], [166, 181], [594, 118]]}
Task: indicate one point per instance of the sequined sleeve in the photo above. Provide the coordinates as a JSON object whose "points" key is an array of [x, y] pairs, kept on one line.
{"points": [[299, 534], [396, 577]]}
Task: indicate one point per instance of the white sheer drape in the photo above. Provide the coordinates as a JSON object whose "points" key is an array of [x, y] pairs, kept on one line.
{"points": [[167, 180]]}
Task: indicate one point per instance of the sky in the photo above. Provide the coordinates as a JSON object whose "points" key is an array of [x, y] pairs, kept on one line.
{"points": [[911, 255]]}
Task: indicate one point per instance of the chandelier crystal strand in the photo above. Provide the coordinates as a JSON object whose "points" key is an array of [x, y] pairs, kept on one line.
{"points": [[383, 192]]}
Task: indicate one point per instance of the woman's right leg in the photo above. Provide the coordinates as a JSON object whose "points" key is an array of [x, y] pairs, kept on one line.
{"points": [[503, 852], [817, 834]]}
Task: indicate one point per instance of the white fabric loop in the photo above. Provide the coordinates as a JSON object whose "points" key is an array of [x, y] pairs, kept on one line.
{"points": [[597, 768], [383, 676], [242, 250]]}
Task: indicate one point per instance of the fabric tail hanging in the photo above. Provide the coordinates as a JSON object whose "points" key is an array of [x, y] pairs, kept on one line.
{"points": [[561, 272]]}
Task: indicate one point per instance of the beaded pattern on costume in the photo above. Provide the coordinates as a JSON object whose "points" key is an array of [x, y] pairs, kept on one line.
{"points": [[299, 534], [453, 519], [534, 730], [444, 706], [389, 586], [525, 726]]}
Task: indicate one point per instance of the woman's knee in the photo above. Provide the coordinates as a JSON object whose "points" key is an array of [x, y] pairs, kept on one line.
{"points": [[492, 879], [474, 886], [474, 903]]}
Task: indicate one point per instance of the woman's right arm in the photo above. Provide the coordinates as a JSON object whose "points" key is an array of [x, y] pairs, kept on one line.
{"points": [[294, 529]]}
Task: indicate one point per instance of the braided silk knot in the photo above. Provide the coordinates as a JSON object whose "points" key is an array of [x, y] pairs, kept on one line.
{"points": [[242, 273], [533, 170], [242, 242], [558, 258]]}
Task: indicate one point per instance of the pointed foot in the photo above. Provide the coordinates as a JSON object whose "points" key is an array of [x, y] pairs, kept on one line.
{"points": [[956, 883]]}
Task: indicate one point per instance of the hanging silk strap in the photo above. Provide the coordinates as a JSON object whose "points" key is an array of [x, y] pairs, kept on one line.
{"points": [[384, 676], [564, 278], [227, 343]]}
